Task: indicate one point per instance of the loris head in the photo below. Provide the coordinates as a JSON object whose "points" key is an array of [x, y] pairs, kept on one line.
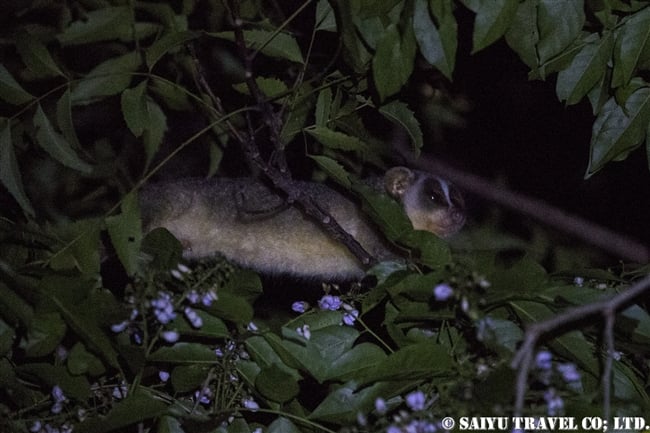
{"points": [[431, 203]]}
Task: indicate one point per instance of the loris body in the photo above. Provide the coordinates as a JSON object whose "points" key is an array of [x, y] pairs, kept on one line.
{"points": [[218, 216]]}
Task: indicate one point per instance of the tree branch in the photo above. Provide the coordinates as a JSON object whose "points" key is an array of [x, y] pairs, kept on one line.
{"points": [[588, 232], [606, 308]]}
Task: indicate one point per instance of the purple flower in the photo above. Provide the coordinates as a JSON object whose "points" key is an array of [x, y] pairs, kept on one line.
{"points": [[544, 360], [304, 331], [329, 302], [193, 317], [170, 336], [300, 306], [569, 372], [416, 400], [163, 375], [380, 406], [119, 327], [350, 317], [251, 404], [442, 292], [554, 402]]}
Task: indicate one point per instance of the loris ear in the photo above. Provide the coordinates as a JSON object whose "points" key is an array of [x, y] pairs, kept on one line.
{"points": [[398, 180]]}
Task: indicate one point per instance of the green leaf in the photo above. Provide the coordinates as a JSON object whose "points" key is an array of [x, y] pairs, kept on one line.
{"points": [[416, 361], [493, 19], [213, 327], [325, 18], [386, 212], [167, 43], [85, 319], [137, 407], [333, 169], [81, 246], [76, 387], [64, 119], [134, 108], [438, 45], [355, 53], [399, 113], [184, 353], [36, 56], [10, 175], [10, 91], [618, 130], [163, 248], [323, 107], [523, 34], [14, 309], [283, 425], [80, 361], [585, 71], [125, 231], [186, 378], [572, 345], [55, 144], [337, 140], [343, 405], [44, 334], [99, 25], [559, 23], [270, 87], [501, 336], [393, 61], [106, 79], [276, 384], [155, 130], [632, 47], [172, 95], [355, 362], [279, 45]]}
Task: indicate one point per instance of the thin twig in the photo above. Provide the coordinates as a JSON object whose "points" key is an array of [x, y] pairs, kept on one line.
{"points": [[276, 169]]}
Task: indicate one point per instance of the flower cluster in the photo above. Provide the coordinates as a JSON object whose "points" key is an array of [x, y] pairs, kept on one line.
{"points": [[567, 373], [329, 303], [417, 419]]}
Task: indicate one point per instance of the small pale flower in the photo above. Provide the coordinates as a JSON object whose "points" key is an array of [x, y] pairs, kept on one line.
{"points": [[300, 306], [304, 331], [177, 274], [209, 297], [57, 394], [184, 269], [203, 396], [464, 305], [442, 292], [163, 375], [569, 372], [193, 317], [380, 406], [56, 407], [554, 402], [219, 352], [119, 327], [252, 327], [81, 414], [193, 297], [170, 336], [134, 314], [61, 353], [393, 429], [544, 360], [351, 317], [36, 426], [251, 404], [416, 400], [578, 281]]}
